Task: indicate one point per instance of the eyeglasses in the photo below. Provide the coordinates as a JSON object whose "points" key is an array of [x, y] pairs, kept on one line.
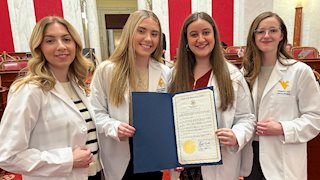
{"points": [[263, 32]]}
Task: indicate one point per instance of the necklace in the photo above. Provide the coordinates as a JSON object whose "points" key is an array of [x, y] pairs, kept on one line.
{"points": [[142, 80], [70, 90], [194, 84]]}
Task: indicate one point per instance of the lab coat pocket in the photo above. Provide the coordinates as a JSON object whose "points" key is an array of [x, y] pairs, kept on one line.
{"points": [[285, 107]]}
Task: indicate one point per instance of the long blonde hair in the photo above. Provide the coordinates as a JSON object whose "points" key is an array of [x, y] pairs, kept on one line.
{"points": [[38, 69], [183, 73], [123, 75], [253, 56]]}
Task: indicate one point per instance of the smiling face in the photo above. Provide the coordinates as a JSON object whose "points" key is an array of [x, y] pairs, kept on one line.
{"points": [[268, 35], [146, 38], [200, 38], [58, 47]]}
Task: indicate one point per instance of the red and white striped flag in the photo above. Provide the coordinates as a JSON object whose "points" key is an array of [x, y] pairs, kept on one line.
{"points": [[18, 17], [172, 13]]}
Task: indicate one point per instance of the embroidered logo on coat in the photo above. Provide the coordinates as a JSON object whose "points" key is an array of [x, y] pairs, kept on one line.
{"points": [[284, 84], [161, 85], [160, 82]]}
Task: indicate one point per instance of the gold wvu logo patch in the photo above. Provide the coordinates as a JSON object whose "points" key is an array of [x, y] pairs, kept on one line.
{"points": [[284, 84]]}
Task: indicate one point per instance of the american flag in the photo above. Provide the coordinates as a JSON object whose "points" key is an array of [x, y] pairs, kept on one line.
{"points": [[18, 18]]}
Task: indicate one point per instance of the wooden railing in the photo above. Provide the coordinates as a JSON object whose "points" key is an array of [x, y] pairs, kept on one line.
{"points": [[314, 63]]}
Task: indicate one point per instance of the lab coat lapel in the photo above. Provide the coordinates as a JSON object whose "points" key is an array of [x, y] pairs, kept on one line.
{"points": [[154, 75], [83, 97], [254, 93], [276, 75], [212, 82], [59, 91]]}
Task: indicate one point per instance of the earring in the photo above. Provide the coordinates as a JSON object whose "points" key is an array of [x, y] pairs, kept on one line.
{"points": [[187, 47]]}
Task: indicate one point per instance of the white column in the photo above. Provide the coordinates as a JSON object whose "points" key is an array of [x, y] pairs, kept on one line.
{"points": [[22, 20], [72, 13], [286, 10], [93, 27], [202, 6], [245, 11], [142, 4], [238, 24], [160, 8]]}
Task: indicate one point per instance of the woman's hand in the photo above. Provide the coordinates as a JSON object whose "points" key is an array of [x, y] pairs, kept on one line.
{"points": [[269, 127], [125, 130], [227, 137], [82, 157]]}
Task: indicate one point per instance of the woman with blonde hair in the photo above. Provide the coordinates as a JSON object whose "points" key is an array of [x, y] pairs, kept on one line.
{"points": [[201, 63], [134, 66], [47, 126]]}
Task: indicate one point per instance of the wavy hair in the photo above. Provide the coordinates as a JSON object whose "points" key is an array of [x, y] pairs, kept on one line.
{"points": [[123, 75], [183, 73], [38, 70], [253, 56]]}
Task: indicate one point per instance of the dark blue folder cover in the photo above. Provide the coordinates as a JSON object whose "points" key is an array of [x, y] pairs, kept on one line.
{"points": [[154, 143]]}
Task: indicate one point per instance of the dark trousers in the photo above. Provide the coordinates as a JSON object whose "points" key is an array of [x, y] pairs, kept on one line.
{"points": [[256, 172], [149, 175], [96, 177], [129, 175], [193, 173]]}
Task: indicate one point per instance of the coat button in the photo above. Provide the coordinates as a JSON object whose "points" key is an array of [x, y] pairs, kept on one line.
{"points": [[84, 129]]}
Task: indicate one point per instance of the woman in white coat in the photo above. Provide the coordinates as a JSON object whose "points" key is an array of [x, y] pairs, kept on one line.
{"points": [[133, 66], [201, 63], [47, 131], [286, 102]]}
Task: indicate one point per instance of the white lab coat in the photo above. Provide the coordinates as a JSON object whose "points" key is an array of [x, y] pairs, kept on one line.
{"points": [[38, 131], [241, 120], [297, 108], [115, 152]]}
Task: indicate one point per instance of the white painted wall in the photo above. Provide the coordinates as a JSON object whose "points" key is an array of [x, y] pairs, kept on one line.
{"points": [[246, 10]]}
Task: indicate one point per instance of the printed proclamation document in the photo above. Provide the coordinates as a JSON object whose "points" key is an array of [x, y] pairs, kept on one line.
{"points": [[195, 125]]}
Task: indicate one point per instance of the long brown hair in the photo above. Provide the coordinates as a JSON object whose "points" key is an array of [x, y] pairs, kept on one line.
{"points": [[183, 71], [123, 57], [253, 56]]}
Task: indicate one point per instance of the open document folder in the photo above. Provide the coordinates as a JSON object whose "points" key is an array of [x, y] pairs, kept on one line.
{"points": [[174, 130]]}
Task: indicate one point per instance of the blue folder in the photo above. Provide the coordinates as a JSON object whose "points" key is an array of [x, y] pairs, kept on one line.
{"points": [[154, 143]]}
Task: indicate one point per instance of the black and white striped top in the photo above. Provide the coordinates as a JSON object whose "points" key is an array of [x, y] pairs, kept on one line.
{"points": [[92, 142]]}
